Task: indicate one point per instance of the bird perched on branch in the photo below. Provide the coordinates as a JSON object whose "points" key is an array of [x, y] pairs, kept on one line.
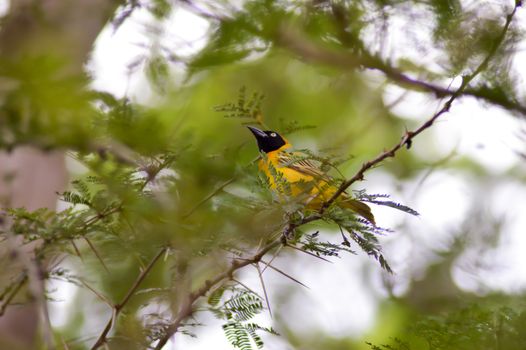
{"points": [[290, 173]]}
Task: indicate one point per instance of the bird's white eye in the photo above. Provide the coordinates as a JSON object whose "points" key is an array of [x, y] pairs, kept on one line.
{"points": [[273, 134]]}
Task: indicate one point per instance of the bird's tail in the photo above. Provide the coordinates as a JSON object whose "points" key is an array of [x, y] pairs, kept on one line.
{"points": [[359, 208]]}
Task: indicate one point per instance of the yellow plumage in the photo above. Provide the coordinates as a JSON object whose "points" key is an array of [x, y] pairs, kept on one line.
{"points": [[290, 174]]}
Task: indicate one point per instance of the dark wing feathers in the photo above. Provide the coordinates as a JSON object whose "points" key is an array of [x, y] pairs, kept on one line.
{"points": [[305, 166], [310, 167]]}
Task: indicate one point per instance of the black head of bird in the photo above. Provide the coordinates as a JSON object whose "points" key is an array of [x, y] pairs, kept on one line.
{"points": [[268, 140]]}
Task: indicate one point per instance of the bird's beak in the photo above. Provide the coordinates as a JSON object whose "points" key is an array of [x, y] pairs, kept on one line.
{"points": [[257, 133]]}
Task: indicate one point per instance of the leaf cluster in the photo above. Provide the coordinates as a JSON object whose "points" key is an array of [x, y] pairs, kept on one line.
{"points": [[238, 307]]}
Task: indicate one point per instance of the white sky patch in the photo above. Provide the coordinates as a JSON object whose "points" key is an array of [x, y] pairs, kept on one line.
{"points": [[94, 313], [442, 202], [4, 7], [483, 133], [337, 302], [502, 268], [60, 307], [381, 182], [116, 53], [406, 108], [209, 336], [120, 56], [487, 135], [185, 32]]}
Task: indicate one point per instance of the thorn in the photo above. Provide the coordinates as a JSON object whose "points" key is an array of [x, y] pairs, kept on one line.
{"points": [[408, 141], [284, 274], [77, 251], [260, 273], [273, 257], [309, 253], [96, 253]]}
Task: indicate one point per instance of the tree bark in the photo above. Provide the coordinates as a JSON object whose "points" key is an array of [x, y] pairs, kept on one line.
{"points": [[30, 177]]}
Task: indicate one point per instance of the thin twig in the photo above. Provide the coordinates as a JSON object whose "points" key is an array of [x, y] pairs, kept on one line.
{"points": [[9, 287], [118, 307], [312, 52], [208, 197], [77, 251], [13, 292], [273, 257], [187, 307], [99, 257], [246, 287], [94, 291], [285, 274], [94, 219], [410, 135], [64, 343], [36, 282], [215, 192], [307, 252], [260, 274]]}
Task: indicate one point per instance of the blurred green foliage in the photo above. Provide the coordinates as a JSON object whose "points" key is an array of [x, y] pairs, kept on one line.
{"points": [[178, 170], [470, 327]]}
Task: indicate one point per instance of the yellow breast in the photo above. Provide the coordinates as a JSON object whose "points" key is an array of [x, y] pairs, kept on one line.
{"points": [[288, 181]]}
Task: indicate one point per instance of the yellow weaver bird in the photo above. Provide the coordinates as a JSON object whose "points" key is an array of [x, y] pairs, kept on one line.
{"points": [[289, 173]]}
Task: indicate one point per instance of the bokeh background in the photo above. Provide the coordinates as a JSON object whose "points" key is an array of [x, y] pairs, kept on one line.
{"points": [[459, 267]]}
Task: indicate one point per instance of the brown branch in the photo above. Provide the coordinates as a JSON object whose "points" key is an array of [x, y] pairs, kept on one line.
{"points": [[11, 291], [117, 308], [187, 307], [76, 249], [407, 139], [316, 53]]}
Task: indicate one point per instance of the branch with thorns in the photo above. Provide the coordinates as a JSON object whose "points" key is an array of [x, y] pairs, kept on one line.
{"points": [[309, 51], [316, 54], [186, 309]]}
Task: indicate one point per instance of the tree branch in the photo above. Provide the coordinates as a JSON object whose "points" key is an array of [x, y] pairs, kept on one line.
{"points": [[407, 139], [187, 308], [117, 308], [316, 53]]}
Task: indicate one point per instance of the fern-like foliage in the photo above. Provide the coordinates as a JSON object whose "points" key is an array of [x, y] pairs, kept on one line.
{"points": [[383, 199], [312, 243], [238, 307], [244, 107]]}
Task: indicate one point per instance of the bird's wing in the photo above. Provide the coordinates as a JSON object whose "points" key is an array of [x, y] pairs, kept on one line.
{"points": [[297, 161]]}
